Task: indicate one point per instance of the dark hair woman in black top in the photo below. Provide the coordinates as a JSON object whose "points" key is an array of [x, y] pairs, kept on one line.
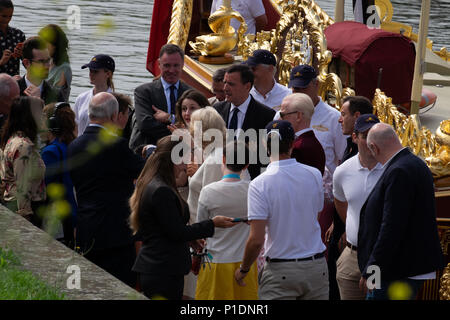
{"points": [[160, 216]]}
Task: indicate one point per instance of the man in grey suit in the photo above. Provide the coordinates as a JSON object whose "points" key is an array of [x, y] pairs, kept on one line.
{"points": [[155, 101]]}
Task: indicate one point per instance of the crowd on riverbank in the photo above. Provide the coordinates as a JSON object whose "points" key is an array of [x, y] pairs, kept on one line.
{"points": [[139, 190]]}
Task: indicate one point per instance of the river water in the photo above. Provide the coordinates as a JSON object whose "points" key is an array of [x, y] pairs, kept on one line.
{"points": [[121, 29]]}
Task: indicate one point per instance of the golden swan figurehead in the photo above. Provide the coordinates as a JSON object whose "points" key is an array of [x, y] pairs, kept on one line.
{"points": [[224, 38]]}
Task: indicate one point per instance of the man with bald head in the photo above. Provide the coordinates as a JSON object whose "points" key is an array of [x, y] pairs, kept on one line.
{"points": [[103, 169], [9, 89], [298, 109], [398, 235]]}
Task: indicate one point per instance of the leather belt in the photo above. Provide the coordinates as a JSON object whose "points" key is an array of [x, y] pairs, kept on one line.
{"points": [[314, 257], [352, 247]]}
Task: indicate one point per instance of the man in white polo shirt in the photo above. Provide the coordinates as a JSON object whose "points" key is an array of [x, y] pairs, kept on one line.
{"points": [[352, 183], [283, 204], [265, 89]]}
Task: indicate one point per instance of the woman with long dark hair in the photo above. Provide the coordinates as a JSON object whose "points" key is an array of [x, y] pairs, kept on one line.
{"points": [[22, 169], [190, 101], [160, 216], [60, 73]]}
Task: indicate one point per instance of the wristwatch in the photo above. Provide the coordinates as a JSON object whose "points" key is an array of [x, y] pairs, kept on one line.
{"points": [[171, 118], [242, 270]]}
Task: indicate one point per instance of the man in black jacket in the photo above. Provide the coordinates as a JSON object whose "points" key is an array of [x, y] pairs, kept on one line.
{"points": [[155, 102], [241, 111], [103, 170], [36, 61], [398, 238]]}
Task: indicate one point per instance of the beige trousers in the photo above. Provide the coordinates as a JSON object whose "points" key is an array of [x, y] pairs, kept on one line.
{"points": [[348, 276], [303, 280]]}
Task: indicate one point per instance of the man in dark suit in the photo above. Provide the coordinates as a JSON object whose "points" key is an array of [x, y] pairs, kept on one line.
{"points": [[398, 237], [103, 170], [155, 102], [36, 61], [240, 110]]}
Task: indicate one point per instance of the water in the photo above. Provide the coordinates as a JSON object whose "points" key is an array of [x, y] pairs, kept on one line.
{"points": [[127, 27]]}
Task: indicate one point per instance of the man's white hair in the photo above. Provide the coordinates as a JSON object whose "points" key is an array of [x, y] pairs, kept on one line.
{"points": [[6, 82], [103, 109]]}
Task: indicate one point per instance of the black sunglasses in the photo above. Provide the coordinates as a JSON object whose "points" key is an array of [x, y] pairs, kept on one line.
{"points": [[283, 114]]}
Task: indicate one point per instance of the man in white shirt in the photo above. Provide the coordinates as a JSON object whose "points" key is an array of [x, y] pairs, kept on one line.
{"points": [[253, 13], [265, 89], [286, 224], [325, 120], [326, 126], [352, 183]]}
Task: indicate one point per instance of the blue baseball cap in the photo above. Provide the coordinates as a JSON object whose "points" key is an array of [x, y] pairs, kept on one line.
{"points": [[365, 121], [261, 56], [283, 128], [301, 76], [101, 61]]}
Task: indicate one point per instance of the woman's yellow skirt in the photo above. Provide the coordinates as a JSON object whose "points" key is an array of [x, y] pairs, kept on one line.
{"points": [[218, 283]]}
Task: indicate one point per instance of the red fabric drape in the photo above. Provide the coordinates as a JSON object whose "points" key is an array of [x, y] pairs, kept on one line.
{"points": [[272, 15], [159, 31]]}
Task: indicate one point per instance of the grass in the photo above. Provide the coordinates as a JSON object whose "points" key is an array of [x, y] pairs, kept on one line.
{"points": [[18, 284]]}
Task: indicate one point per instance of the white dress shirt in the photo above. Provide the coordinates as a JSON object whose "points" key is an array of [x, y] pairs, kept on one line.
{"points": [[241, 114], [274, 97]]}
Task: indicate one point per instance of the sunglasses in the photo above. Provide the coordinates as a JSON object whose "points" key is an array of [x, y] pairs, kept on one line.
{"points": [[43, 61], [284, 114]]}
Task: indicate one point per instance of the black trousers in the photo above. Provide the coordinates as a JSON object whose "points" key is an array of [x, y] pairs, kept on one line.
{"points": [[116, 261], [333, 255], [157, 286]]}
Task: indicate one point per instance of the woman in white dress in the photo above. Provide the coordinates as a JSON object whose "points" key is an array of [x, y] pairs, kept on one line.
{"points": [[101, 69]]}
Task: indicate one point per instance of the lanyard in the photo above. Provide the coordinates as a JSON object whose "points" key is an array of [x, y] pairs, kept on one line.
{"points": [[231, 175]]}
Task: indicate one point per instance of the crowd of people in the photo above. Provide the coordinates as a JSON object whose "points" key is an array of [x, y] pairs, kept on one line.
{"points": [[176, 198]]}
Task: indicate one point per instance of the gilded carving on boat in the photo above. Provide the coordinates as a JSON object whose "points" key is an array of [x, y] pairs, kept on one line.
{"points": [[444, 291], [224, 38], [299, 39], [180, 22]]}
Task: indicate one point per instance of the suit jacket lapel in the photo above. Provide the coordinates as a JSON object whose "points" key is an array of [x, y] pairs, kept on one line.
{"points": [[160, 96], [249, 115], [402, 153], [22, 84]]}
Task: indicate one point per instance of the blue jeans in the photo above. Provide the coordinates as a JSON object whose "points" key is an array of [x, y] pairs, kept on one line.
{"points": [[383, 293]]}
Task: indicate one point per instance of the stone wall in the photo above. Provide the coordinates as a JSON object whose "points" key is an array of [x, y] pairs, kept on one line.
{"points": [[50, 261]]}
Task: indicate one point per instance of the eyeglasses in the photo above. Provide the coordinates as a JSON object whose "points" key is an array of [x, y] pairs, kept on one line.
{"points": [[43, 61], [284, 114]]}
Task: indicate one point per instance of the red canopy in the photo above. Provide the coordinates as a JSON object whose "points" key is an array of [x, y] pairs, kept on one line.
{"points": [[369, 49]]}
